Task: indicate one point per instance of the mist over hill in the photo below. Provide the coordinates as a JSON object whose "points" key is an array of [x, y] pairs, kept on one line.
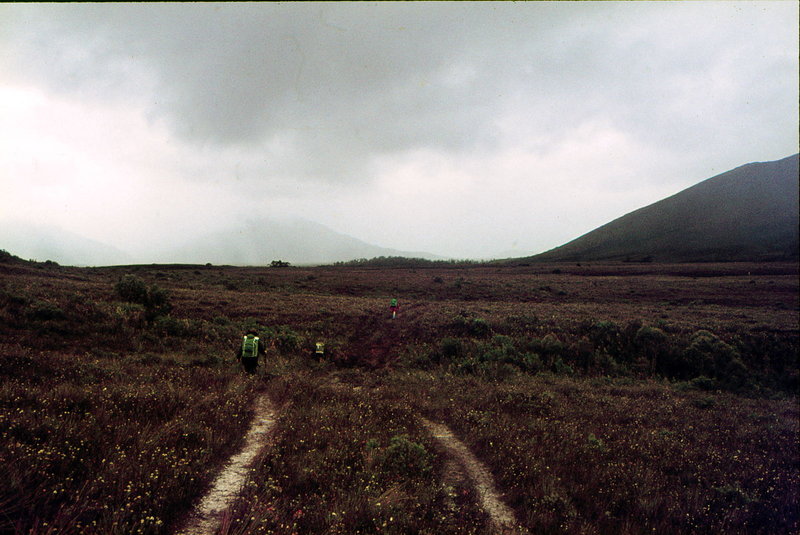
{"points": [[260, 241], [747, 214], [44, 242], [254, 242]]}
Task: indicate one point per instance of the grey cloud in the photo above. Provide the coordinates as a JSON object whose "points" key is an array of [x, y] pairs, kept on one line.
{"points": [[363, 78], [342, 82]]}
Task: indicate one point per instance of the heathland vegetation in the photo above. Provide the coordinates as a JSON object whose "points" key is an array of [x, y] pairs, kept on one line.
{"points": [[604, 398]]}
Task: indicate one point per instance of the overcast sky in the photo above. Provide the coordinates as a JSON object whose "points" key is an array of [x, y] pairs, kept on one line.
{"points": [[461, 129]]}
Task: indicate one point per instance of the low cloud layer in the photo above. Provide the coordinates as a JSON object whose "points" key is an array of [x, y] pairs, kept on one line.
{"points": [[465, 129]]}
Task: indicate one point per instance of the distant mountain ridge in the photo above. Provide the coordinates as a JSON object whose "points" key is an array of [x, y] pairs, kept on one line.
{"points": [[749, 213], [260, 241], [256, 242]]}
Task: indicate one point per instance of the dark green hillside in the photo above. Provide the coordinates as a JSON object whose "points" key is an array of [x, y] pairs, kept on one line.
{"points": [[748, 213]]}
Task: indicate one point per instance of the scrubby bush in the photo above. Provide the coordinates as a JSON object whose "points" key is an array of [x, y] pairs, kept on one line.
{"points": [[469, 326], [549, 347], [451, 348], [44, 311], [652, 347], [606, 364], [221, 320], [287, 340], [498, 357], [708, 355], [252, 324], [404, 458], [128, 316], [170, 326], [562, 368], [705, 358], [284, 337], [519, 324], [703, 383], [503, 350], [155, 300], [606, 337], [132, 289]]}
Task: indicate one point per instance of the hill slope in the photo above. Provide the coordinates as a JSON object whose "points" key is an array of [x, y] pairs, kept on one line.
{"points": [[748, 213]]}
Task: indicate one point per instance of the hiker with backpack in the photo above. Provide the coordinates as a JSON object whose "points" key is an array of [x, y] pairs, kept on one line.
{"points": [[249, 350]]}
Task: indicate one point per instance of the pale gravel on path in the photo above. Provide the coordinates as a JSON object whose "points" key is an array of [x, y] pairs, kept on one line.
{"points": [[206, 517], [501, 515]]}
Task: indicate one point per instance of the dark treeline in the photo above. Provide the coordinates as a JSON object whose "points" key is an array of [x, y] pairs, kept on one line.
{"points": [[404, 262]]}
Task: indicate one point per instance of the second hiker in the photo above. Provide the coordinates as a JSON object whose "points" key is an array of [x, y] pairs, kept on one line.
{"points": [[249, 350]]}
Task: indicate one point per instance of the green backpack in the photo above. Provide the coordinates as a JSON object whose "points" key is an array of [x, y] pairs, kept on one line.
{"points": [[250, 346]]}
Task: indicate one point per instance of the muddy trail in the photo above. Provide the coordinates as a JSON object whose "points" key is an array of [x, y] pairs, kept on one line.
{"points": [[502, 517], [377, 340], [207, 515]]}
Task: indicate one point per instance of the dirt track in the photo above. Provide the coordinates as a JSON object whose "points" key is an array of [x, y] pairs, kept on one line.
{"points": [[502, 516], [207, 515]]}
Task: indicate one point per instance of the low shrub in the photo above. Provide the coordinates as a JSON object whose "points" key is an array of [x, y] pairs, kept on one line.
{"points": [[549, 347], [44, 311], [451, 348], [155, 300], [469, 326], [708, 355], [502, 349], [286, 339], [652, 348], [703, 383], [132, 289], [404, 458]]}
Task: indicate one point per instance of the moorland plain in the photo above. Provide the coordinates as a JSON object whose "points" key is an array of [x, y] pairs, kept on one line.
{"points": [[603, 397]]}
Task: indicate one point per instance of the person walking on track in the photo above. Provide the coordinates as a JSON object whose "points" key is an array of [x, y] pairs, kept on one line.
{"points": [[248, 351]]}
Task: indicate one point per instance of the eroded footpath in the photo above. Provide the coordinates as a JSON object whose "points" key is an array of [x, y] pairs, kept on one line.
{"points": [[207, 516], [501, 515]]}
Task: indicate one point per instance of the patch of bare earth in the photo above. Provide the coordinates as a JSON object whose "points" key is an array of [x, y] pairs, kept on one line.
{"points": [[207, 516], [501, 515]]}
